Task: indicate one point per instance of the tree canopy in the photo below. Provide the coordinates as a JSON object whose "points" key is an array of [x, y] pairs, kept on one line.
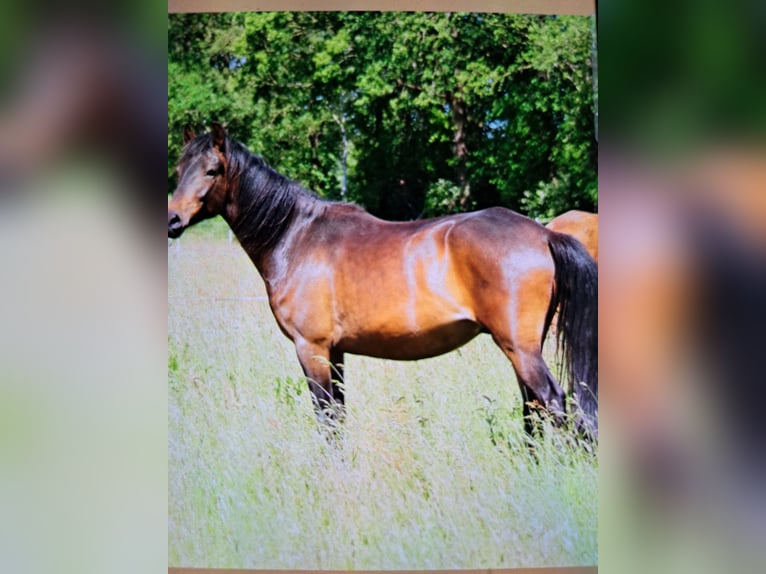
{"points": [[407, 114]]}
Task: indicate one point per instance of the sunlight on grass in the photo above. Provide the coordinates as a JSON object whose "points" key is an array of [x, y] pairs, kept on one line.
{"points": [[430, 470]]}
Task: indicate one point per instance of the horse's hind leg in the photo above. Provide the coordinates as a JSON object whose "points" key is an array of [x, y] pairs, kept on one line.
{"points": [[519, 333], [535, 381]]}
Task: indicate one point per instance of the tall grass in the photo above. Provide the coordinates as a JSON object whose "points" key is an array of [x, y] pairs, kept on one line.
{"points": [[431, 468]]}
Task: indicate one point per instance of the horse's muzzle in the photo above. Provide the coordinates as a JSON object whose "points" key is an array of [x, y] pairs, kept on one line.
{"points": [[175, 225]]}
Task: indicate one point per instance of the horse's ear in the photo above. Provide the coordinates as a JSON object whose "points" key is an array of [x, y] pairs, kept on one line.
{"points": [[188, 134], [219, 135]]}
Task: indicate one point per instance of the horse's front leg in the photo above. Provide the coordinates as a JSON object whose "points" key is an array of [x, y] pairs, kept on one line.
{"points": [[318, 368], [338, 389]]}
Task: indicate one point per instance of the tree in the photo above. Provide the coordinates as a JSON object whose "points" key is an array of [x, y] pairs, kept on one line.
{"points": [[451, 112]]}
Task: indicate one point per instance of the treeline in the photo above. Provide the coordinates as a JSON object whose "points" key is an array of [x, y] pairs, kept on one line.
{"points": [[407, 114]]}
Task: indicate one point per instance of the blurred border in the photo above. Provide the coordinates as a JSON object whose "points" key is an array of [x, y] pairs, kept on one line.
{"points": [[682, 254], [83, 307]]}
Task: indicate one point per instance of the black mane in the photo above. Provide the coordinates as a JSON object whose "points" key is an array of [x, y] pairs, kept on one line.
{"points": [[268, 202]]}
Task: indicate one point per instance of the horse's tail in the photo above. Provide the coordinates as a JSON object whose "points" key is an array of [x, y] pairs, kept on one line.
{"points": [[576, 296]]}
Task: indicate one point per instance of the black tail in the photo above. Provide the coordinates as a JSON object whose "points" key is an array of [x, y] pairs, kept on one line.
{"points": [[576, 296]]}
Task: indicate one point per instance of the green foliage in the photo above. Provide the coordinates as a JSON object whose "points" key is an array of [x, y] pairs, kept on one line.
{"points": [[548, 199], [498, 106], [443, 197]]}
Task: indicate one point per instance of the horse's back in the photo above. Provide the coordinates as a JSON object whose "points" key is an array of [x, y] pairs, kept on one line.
{"points": [[372, 255]]}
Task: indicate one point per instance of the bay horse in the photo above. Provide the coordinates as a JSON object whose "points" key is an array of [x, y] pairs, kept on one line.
{"points": [[581, 225], [340, 280]]}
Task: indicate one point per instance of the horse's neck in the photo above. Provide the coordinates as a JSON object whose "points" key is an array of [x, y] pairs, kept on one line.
{"points": [[264, 231]]}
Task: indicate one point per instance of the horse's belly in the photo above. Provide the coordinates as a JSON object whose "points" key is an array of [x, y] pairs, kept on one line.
{"points": [[411, 345]]}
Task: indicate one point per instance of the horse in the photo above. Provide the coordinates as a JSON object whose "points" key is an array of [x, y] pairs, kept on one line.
{"points": [[340, 280], [581, 225]]}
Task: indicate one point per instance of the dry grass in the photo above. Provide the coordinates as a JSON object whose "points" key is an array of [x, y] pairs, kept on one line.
{"points": [[431, 469]]}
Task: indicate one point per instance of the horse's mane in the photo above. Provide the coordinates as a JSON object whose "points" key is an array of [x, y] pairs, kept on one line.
{"points": [[268, 202]]}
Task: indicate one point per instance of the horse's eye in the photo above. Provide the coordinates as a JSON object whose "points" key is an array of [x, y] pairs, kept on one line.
{"points": [[212, 172]]}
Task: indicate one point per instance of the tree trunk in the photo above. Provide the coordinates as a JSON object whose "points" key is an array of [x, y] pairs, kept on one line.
{"points": [[341, 121], [314, 146], [460, 149]]}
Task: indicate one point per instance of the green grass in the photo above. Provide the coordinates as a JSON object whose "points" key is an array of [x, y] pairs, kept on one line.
{"points": [[430, 470]]}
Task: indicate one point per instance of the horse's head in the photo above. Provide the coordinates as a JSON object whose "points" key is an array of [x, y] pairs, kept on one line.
{"points": [[203, 184]]}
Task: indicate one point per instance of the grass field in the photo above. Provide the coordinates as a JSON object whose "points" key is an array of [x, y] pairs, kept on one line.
{"points": [[431, 469]]}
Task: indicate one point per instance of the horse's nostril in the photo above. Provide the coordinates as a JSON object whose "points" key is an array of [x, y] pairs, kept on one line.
{"points": [[175, 227]]}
